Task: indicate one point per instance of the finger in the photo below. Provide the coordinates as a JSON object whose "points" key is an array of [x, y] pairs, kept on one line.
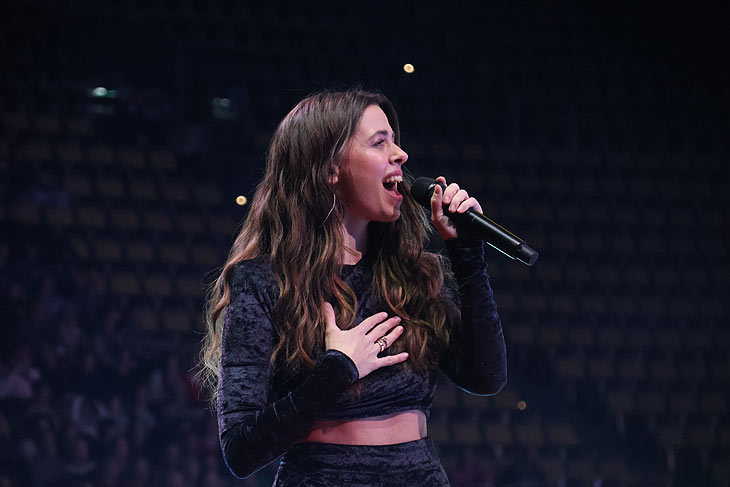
{"points": [[450, 191], [392, 359], [391, 337], [368, 323], [388, 339], [384, 327], [329, 316], [459, 197], [437, 210], [469, 203]]}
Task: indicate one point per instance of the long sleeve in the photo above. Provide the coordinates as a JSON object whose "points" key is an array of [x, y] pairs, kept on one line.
{"points": [[476, 359], [254, 431]]}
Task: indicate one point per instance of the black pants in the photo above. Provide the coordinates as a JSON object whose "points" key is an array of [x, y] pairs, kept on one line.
{"points": [[410, 464]]}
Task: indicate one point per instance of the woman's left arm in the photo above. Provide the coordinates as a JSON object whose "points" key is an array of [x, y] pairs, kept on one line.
{"points": [[476, 359]]}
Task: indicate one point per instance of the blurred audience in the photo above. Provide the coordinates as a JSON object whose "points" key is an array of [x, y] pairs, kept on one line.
{"points": [[85, 400]]}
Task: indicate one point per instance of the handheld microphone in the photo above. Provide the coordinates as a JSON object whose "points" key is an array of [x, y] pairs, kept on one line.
{"points": [[477, 224]]}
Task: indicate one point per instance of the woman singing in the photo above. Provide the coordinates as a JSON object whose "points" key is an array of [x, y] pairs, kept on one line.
{"points": [[329, 321]]}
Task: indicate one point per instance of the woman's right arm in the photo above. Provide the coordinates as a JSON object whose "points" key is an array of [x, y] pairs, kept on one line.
{"points": [[253, 431]]}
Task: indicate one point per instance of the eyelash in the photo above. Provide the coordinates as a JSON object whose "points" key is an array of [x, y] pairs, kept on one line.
{"points": [[382, 141]]}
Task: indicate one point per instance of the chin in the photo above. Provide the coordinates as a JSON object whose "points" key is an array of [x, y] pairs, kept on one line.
{"points": [[387, 218], [394, 216]]}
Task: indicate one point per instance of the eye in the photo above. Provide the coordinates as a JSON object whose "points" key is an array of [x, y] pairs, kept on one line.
{"points": [[380, 142]]}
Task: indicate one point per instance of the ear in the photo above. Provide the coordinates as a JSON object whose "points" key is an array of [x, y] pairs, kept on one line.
{"points": [[334, 176]]}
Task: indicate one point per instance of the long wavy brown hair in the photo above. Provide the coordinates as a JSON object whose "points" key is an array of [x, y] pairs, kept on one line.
{"points": [[290, 221]]}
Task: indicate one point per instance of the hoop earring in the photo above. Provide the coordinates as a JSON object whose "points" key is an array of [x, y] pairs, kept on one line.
{"points": [[334, 202]]}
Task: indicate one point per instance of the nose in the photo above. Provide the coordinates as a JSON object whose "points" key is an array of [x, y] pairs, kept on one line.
{"points": [[399, 155]]}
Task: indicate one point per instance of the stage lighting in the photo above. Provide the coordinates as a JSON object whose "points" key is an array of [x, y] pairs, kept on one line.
{"points": [[101, 92], [222, 108]]}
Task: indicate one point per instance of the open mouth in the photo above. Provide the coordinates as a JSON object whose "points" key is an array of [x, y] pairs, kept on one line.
{"points": [[391, 183]]}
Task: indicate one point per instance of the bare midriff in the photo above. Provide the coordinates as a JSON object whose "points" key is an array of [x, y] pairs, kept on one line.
{"points": [[379, 430]]}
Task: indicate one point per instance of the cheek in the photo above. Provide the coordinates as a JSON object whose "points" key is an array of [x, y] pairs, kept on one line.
{"points": [[363, 181], [364, 197]]}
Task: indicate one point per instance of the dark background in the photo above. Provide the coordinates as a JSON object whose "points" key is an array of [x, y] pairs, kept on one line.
{"points": [[597, 133]]}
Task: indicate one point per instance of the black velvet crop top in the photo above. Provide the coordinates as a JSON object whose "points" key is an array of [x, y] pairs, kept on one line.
{"points": [[261, 412]]}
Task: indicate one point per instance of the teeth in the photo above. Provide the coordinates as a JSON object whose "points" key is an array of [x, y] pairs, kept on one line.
{"points": [[394, 179]]}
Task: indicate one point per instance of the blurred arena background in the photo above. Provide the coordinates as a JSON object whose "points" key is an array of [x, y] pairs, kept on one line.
{"points": [[597, 133]]}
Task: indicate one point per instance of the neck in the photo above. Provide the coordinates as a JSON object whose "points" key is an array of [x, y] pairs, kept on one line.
{"points": [[355, 238]]}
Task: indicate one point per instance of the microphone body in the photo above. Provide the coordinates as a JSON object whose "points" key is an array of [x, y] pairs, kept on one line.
{"points": [[477, 224]]}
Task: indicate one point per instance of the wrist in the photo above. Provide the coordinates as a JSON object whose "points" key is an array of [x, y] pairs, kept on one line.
{"points": [[467, 243], [343, 362]]}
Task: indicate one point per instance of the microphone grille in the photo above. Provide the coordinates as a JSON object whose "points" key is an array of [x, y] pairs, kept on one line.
{"points": [[422, 189]]}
